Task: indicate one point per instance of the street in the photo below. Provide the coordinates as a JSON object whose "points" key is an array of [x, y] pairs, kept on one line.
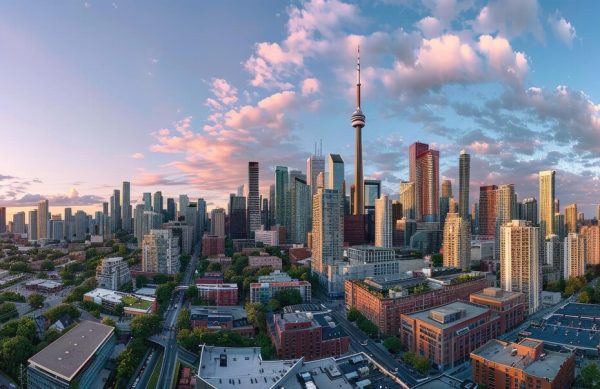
{"points": [[169, 331]]}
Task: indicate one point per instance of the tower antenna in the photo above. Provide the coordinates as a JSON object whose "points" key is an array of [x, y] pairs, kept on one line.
{"points": [[358, 77]]}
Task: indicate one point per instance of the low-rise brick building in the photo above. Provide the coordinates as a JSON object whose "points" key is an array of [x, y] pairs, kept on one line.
{"points": [[447, 334], [218, 294], [382, 301], [510, 306], [255, 261], [308, 335], [526, 364], [216, 318], [213, 245]]}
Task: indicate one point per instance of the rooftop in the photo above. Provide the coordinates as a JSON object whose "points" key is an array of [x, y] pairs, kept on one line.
{"points": [[449, 315], [67, 355], [502, 353], [134, 301], [496, 294], [235, 312]]}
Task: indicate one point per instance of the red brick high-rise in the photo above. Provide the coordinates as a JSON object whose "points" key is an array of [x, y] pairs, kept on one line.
{"points": [[487, 210], [424, 171]]}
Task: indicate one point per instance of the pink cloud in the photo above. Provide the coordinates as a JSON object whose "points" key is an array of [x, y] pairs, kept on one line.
{"points": [[309, 86], [137, 156]]}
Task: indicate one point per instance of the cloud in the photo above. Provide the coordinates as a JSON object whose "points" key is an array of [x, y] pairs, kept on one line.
{"points": [[137, 156], [225, 94], [510, 18], [309, 86], [563, 29], [29, 200], [157, 179], [4, 177]]}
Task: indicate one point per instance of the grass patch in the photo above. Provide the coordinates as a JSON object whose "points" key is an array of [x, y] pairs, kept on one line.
{"points": [[135, 302], [155, 373]]}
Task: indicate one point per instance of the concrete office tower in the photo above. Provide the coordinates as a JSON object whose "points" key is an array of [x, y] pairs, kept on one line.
{"points": [[43, 220], [336, 172], [171, 210], [358, 122], [281, 192], [457, 242], [556, 206], [487, 210], [315, 164], [300, 198], [147, 200], [138, 223], [446, 188], [575, 254], [253, 198], [240, 191], [112, 273], [555, 254], [506, 209], [201, 222], [264, 214], [407, 198], [424, 172], [327, 228], [160, 252], [529, 210], [18, 223], [237, 217], [591, 233], [383, 222], [32, 225], [158, 205], [217, 222], [105, 208], [464, 174], [520, 266], [58, 230], [115, 210], [547, 210], [571, 218], [126, 207]]}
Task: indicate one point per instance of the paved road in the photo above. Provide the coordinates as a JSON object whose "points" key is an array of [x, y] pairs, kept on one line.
{"points": [[169, 332], [384, 358]]}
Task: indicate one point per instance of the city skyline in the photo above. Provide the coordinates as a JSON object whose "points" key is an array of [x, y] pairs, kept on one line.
{"points": [[287, 88]]}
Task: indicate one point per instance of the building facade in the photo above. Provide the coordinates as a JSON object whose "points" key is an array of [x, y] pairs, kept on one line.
{"points": [[112, 273], [383, 222], [160, 252], [457, 242], [509, 306], [547, 211]]}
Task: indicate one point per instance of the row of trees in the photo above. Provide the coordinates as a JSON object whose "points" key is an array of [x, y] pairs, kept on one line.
{"points": [[420, 364], [365, 325]]}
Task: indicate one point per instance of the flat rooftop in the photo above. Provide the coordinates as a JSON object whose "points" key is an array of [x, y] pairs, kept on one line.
{"points": [[470, 311], [574, 325], [67, 355], [245, 368], [236, 312], [501, 353], [496, 294]]}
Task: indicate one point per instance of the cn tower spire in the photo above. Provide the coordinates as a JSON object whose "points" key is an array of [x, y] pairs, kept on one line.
{"points": [[358, 77], [358, 122]]}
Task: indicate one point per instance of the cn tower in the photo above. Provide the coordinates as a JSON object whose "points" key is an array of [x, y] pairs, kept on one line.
{"points": [[358, 122]]}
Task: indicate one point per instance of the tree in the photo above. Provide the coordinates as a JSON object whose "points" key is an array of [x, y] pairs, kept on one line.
{"points": [[183, 320], [47, 265], [353, 314], [145, 326], [161, 279], [13, 352], [590, 376], [214, 266], [288, 297], [8, 311], [35, 300], [109, 322], [437, 260], [392, 343], [192, 292], [583, 297], [141, 281], [256, 315], [54, 313], [26, 329]]}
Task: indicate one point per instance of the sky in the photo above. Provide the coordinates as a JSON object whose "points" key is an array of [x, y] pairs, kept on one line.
{"points": [[180, 96]]}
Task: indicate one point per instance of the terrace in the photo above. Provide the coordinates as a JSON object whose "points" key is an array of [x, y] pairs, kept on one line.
{"points": [[136, 302]]}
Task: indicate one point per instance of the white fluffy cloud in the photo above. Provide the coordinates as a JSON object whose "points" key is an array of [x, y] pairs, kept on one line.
{"points": [[563, 29]]}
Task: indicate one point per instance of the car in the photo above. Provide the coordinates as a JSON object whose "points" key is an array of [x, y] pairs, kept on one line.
{"points": [[365, 342]]}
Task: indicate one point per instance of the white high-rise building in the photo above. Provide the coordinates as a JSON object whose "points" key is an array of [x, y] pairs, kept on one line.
{"points": [[18, 226], [315, 164], [160, 252], [520, 267], [327, 228], [253, 201], [575, 253], [184, 202], [112, 273], [336, 172], [383, 222], [457, 242]]}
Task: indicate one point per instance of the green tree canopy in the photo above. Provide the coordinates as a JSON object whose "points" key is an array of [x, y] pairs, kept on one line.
{"points": [[35, 300]]}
